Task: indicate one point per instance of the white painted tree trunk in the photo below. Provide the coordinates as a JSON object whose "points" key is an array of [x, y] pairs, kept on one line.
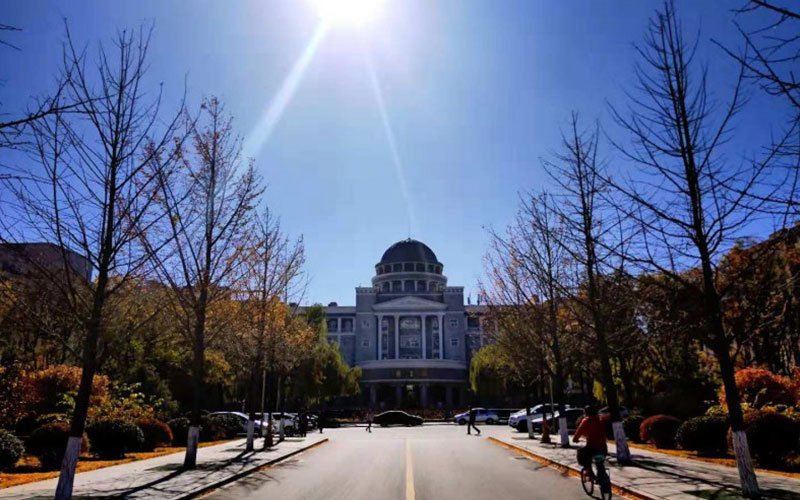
{"points": [[66, 478], [747, 475], [190, 460], [562, 431], [280, 426], [251, 430], [621, 441], [530, 426]]}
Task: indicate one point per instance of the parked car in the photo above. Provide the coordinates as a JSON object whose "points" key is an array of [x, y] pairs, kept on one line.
{"points": [[242, 417], [604, 411], [519, 420], [482, 416], [573, 415], [396, 417], [289, 423]]}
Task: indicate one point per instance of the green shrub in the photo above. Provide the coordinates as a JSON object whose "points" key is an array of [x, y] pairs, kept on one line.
{"points": [[180, 430], [212, 428], [631, 426], [231, 425], [111, 438], [772, 437], [11, 449], [706, 435], [49, 442], [156, 433], [660, 430]]}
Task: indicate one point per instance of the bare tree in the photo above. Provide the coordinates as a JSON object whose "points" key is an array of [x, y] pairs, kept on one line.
{"points": [[274, 263], [528, 270], [592, 240], [209, 204], [91, 186], [688, 200]]}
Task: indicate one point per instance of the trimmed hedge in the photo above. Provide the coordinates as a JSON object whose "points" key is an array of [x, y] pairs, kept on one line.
{"points": [[180, 430], [156, 433], [111, 438], [49, 442], [11, 449], [631, 425], [707, 435], [212, 428], [772, 437], [660, 430]]}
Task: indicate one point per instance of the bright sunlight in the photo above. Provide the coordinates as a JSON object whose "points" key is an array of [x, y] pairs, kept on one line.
{"points": [[348, 12]]}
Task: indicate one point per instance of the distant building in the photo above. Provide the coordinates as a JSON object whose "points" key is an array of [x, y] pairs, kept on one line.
{"points": [[410, 333], [26, 259]]}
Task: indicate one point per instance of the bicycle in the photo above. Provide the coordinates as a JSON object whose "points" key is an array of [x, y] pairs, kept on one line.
{"points": [[603, 478]]}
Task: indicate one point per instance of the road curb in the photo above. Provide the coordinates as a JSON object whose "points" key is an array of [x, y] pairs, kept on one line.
{"points": [[222, 482], [568, 469]]}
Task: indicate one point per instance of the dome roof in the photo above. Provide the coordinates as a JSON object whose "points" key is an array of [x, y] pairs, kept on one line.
{"points": [[409, 251]]}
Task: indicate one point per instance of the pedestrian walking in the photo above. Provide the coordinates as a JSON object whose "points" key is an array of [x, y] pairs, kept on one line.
{"points": [[369, 420], [321, 421], [471, 425], [303, 423]]}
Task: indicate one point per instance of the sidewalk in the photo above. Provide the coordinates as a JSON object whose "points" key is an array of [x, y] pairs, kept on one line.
{"points": [[659, 476], [162, 478]]}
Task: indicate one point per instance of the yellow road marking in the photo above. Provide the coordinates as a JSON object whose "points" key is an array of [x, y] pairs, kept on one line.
{"points": [[409, 473]]}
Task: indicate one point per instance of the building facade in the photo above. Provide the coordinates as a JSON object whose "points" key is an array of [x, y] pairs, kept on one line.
{"points": [[411, 334]]}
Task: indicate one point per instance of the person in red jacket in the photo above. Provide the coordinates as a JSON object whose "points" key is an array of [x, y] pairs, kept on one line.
{"points": [[594, 431]]}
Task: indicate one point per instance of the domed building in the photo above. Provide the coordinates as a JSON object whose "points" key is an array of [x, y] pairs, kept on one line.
{"points": [[410, 333]]}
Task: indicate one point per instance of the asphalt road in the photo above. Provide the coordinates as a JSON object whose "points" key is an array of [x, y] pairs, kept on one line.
{"points": [[431, 462]]}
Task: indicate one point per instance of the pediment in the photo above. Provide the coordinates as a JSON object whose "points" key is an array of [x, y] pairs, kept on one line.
{"points": [[410, 303]]}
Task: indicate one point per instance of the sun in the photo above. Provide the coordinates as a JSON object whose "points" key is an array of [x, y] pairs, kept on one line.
{"points": [[348, 13]]}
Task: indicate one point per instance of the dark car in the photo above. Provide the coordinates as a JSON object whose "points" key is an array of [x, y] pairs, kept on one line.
{"points": [[396, 417]]}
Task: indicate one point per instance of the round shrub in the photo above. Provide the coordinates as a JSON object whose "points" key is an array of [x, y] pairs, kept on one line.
{"points": [[212, 428], [156, 433], [111, 438], [49, 442], [772, 436], [180, 430], [759, 387], [11, 449], [706, 435], [231, 425], [659, 430], [631, 426]]}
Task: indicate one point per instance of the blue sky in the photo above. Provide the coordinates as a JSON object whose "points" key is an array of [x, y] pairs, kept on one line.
{"points": [[475, 92]]}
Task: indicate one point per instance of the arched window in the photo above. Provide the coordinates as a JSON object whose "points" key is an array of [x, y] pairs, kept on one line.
{"points": [[421, 286], [430, 268], [408, 286], [420, 268], [387, 287], [397, 268], [397, 286], [409, 266]]}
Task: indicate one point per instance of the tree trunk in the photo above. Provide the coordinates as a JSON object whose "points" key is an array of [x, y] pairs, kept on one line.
{"points": [[198, 367]]}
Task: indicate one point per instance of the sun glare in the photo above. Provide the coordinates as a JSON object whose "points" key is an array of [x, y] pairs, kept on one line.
{"points": [[348, 12]]}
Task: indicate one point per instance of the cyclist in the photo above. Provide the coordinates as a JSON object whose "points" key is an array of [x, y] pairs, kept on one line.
{"points": [[594, 431]]}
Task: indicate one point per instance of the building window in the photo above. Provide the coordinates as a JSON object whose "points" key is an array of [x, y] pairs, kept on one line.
{"points": [[453, 323], [387, 286], [438, 270], [454, 342], [421, 286], [398, 268], [408, 286], [347, 325], [365, 343], [333, 325], [365, 323], [420, 268], [333, 339], [473, 323], [408, 266], [397, 286]]}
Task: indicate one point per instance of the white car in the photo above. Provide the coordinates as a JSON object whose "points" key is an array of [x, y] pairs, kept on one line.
{"points": [[482, 415], [289, 423], [242, 417], [519, 420]]}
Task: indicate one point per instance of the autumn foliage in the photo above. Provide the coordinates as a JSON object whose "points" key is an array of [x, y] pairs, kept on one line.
{"points": [[759, 387]]}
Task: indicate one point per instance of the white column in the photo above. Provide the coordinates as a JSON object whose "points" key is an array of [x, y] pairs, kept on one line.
{"points": [[396, 336], [380, 336], [424, 351], [441, 336], [339, 325]]}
